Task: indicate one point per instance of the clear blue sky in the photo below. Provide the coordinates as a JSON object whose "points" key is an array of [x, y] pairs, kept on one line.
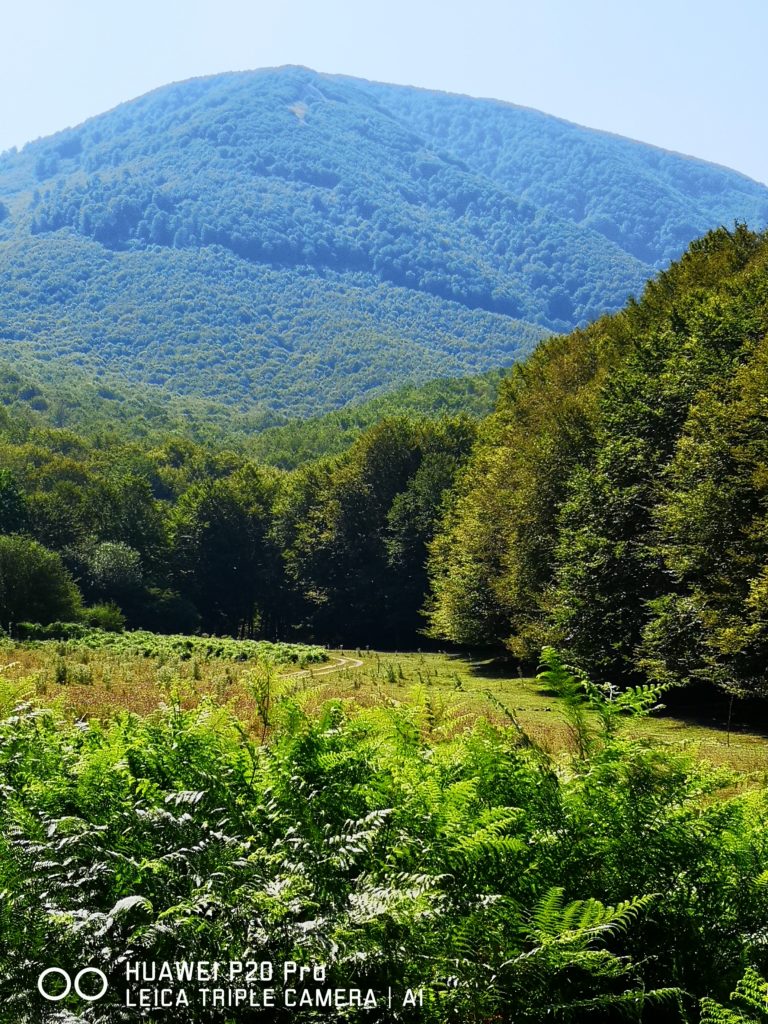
{"points": [[688, 75]]}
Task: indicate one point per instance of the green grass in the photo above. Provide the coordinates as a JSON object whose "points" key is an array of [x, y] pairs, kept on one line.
{"points": [[140, 672], [469, 689]]}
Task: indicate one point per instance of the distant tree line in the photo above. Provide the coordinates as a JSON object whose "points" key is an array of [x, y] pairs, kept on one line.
{"points": [[182, 538]]}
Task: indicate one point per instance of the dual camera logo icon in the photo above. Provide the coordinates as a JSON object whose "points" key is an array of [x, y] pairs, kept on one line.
{"points": [[50, 991]]}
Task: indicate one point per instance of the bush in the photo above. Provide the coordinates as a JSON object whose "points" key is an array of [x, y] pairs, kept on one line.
{"points": [[105, 616], [53, 631]]}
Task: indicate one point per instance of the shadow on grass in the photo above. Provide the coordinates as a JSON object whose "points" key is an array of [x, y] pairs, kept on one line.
{"points": [[694, 705], [489, 666], [712, 709]]}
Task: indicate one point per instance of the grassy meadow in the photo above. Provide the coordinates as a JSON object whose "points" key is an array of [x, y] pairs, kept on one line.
{"points": [[138, 672]]}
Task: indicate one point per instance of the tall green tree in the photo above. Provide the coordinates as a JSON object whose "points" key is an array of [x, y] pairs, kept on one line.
{"points": [[713, 535], [360, 553], [492, 560], [556, 529], [220, 541], [14, 514]]}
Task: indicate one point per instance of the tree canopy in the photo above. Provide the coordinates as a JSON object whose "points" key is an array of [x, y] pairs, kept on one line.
{"points": [[615, 500]]}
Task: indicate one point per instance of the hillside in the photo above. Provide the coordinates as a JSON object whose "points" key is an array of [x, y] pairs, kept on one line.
{"points": [[290, 444], [289, 241], [115, 412]]}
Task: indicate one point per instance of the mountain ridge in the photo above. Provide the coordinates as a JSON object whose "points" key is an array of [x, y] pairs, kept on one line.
{"points": [[291, 241], [341, 76]]}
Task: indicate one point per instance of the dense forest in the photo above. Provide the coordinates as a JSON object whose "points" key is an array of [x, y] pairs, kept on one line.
{"points": [[616, 499], [180, 537], [613, 503], [287, 242], [205, 324]]}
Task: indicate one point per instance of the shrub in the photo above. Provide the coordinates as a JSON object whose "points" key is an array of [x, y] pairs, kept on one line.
{"points": [[105, 616], [53, 631]]}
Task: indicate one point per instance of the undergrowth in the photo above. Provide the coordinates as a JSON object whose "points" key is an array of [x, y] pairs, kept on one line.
{"points": [[510, 885]]}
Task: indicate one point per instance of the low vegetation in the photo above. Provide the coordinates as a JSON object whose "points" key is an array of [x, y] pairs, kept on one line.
{"points": [[164, 646], [399, 841]]}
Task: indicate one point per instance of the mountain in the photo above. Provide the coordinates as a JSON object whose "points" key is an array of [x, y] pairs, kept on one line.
{"points": [[289, 241], [105, 416]]}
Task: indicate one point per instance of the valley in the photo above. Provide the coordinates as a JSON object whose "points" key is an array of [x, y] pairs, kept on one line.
{"points": [[383, 560]]}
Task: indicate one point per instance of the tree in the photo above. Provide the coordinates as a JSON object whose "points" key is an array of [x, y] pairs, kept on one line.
{"points": [[492, 560], [711, 521], [359, 551], [220, 549], [110, 570], [34, 585], [13, 506]]}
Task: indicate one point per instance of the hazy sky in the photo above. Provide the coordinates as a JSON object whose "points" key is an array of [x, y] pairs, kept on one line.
{"points": [[688, 75]]}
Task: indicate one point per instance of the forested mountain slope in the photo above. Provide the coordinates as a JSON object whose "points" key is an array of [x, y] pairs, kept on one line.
{"points": [[290, 241], [111, 412]]}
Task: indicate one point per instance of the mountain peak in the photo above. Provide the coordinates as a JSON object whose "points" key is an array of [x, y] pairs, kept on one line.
{"points": [[287, 226]]}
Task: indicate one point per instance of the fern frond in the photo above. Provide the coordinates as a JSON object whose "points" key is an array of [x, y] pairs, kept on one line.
{"points": [[752, 992], [546, 919], [715, 1013]]}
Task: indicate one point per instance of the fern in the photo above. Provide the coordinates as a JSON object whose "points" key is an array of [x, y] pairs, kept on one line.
{"points": [[750, 997], [350, 840], [553, 920], [581, 701]]}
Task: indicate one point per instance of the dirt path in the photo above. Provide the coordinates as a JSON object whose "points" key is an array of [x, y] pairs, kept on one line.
{"points": [[339, 662]]}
